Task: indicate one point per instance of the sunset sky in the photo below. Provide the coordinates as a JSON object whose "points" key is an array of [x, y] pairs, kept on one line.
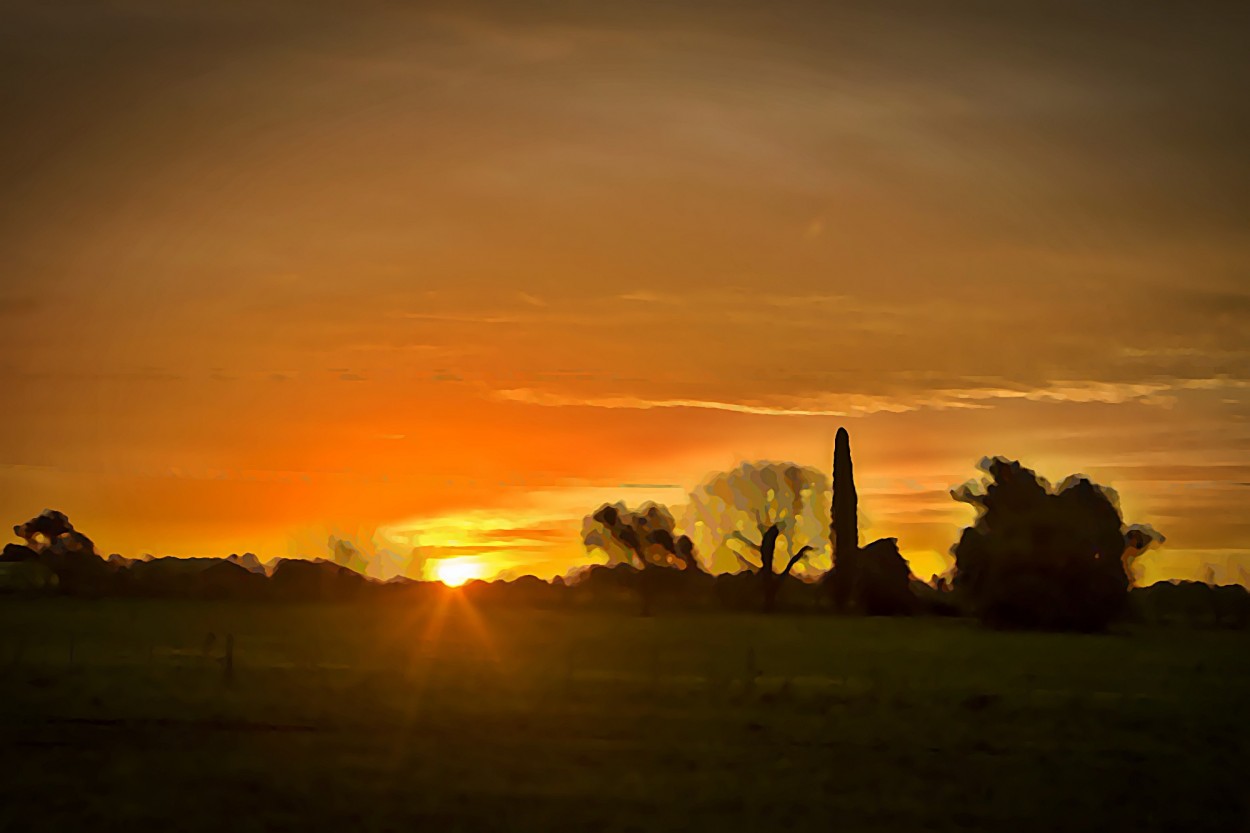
{"points": [[452, 275]]}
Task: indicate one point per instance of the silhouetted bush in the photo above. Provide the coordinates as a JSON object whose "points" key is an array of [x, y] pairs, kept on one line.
{"points": [[645, 540], [884, 580], [1043, 558], [18, 552], [1191, 603]]}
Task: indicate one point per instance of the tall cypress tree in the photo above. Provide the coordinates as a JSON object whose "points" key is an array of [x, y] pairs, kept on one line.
{"points": [[845, 523]]}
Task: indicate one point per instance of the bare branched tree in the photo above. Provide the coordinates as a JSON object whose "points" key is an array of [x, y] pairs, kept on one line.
{"points": [[767, 518]]}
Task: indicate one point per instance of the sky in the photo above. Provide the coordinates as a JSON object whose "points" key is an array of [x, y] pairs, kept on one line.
{"points": [[452, 275]]}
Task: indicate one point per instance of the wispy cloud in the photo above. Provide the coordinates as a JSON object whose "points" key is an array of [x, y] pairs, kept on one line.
{"points": [[547, 399], [851, 404]]}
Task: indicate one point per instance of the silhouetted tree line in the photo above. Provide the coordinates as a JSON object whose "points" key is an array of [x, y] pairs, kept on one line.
{"points": [[768, 517], [1037, 557]]}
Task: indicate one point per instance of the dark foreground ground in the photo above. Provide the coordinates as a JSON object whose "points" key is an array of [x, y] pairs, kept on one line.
{"points": [[120, 715]]}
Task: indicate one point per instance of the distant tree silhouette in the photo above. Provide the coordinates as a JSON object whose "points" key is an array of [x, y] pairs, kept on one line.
{"points": [[295, 578], [51, 530], [1192, 603], [18, 552], [606, 586], [68, 553], [644, 540], [191, 577], [523, 591], [1041, 557], [873, 579], [749, 511], [247, 561]]}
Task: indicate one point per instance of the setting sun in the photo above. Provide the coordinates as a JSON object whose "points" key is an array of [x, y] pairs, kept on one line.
{"points": [[456, 571], [567, 415]]}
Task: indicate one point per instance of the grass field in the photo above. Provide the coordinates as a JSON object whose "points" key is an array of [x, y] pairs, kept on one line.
{"points": [[121, 715]]}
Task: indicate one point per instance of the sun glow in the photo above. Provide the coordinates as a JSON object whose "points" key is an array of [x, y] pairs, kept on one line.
{"points": [[456, 571]]}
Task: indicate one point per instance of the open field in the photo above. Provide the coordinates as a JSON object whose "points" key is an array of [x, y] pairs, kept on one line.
{"points": [[121, 713]]}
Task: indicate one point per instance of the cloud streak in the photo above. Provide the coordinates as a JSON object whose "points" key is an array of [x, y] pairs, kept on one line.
{"points": [[853, 404]]}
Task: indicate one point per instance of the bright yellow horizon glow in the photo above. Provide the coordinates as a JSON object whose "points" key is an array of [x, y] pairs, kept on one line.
{"points": [[454, 572]]}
